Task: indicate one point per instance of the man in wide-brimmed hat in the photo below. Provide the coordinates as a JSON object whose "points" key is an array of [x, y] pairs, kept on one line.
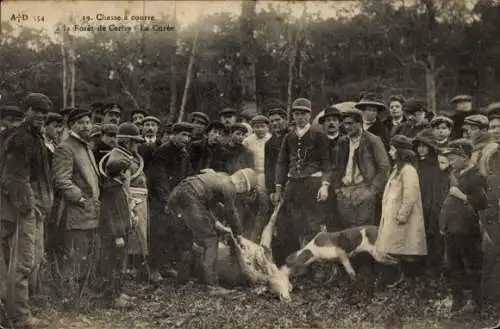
{"points": [[372, 105], [303, 175], [169, 165], [26, 177], [76, 177]]}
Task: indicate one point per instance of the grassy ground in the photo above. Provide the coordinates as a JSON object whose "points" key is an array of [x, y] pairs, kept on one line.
{"points": [[313, 306]]}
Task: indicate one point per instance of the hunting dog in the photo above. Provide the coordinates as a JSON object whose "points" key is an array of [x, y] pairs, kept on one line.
{"points": [[337, 246]]}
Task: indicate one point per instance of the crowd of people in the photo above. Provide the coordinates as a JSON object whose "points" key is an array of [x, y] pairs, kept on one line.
{"points": [[97, 192]]}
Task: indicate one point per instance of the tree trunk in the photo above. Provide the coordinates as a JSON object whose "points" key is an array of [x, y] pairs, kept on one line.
{"points": [[247, 55], [188, 77], [430, 83], [173, 88], [73, 75], [291, 64], [64, 68]]}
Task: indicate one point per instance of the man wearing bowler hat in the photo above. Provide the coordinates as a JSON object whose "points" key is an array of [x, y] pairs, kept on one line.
{"points": [[170, 164], [26, 198], [76, 179], [303, 175], [371, 105]]}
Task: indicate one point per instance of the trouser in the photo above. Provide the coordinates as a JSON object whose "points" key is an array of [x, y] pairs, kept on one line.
{"points": [[34, 280], [355, 211], [18, 244], [115, 259], [464, 255], [305, 213], [191, 212], [81, 258]]}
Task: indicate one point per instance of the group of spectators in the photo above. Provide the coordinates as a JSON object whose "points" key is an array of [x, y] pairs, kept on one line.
{"points": [[92, 192]]}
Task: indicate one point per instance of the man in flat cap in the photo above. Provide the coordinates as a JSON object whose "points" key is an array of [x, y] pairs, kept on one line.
{"points": [[112, 113], [256, 143], [441, 127], [54, 128], [107, 141], [210, 152], [170, 164], [493, 113], [137, 116], [200, 122], [237, 155], [303, 175], [228, 116], [278, 129], [150, 126], [372, 106], [462, 105], [10, 116], [76, 178], [475, 129], [26, 198]]}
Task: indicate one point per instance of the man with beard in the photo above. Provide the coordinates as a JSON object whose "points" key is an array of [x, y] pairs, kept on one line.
{"points": [[209, 152], [331, 124], [304, 171], [237, 155], [372, 106], [106, 142], [150, 126], [200, 122], [255, 143], [53, 131], [137, 117], [228, 116], [112, 113], [76, 178], [278, 129], [170, 164], [26, 198]]}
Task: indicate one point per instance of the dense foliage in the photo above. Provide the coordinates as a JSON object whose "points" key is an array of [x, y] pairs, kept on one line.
{"points": [[417, 48]]}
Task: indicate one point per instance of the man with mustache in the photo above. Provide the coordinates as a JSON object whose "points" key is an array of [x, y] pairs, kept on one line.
{"points": [[170, 164], [76, 179], [26, 198], [112, 113], [200, 122], [150, 126]]}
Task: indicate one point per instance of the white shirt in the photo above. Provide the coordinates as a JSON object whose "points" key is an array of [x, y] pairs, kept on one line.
{"points": [[302, 131], [352, 173], [150, 140], [256, 146]]}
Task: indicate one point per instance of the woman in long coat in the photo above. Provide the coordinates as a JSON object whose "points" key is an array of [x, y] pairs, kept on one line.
{"points": [[402, 230]]}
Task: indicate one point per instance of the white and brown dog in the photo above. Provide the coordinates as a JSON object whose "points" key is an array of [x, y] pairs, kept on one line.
{"points": [[337, 246]]}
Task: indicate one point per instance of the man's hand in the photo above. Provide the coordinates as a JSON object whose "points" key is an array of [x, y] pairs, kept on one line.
{"points": [[455, 191], [322, 193], [276, 197], [120, 242]]}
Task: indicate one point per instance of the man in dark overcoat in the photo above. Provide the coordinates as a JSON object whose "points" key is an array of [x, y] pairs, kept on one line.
{"points": [[210, 151], [26, 198], [170, 164]]}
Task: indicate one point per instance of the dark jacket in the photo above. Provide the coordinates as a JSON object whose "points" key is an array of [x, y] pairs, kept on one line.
{"points": [[271, 153], [25, 176], [100, 151], [115, 214], [371, 158], [299, 158], [458, 122], [380, 129], [169, 165], [461, 217], [390, 126], [237, 157], [410, 128], [207, 156], [146, 151]]}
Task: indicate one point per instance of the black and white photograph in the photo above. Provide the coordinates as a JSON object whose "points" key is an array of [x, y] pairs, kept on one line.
{"points": [[250, 164]]}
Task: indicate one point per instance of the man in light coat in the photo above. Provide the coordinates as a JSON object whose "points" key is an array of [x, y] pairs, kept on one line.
{"points": [[76, 177]]}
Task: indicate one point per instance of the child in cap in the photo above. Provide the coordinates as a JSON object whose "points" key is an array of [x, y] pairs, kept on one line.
{"points": [[115, 226], [459, 223]]}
